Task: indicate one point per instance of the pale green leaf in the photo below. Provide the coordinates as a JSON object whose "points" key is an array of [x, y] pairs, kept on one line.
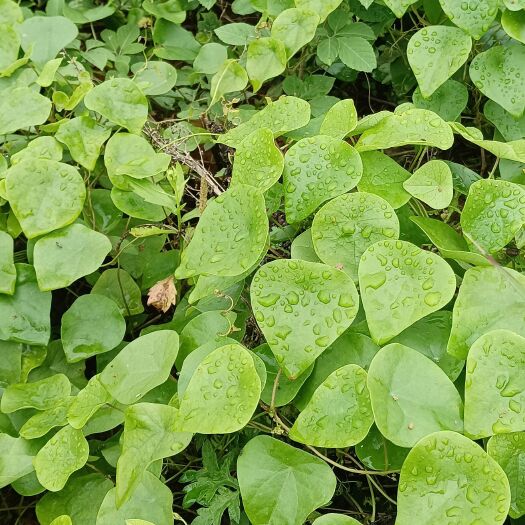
{"points": [[340, 119], [399, 7], [514, 24], [432, 184], [22, 109], [230, 77], [475, 17], [155, 77], [448, 100], [86, 403], [7, 265], [265, 59], [295, 28], [322, 7], [17, 458]]}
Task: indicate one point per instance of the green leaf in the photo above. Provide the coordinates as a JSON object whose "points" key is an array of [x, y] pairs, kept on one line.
{"points": [[152, 357], [303, 248], [87, 402], [84, 138], [340, 119], [265, 59], [86, 11], [149, 434], [121, 101], [282, 484], [339, 413], [41, 423], [295, 28], [432, 184], [9, 46], [7, 265], [151, 501], [357, 53], [400, 284], [399, 7], [222, 394], [514, 24], [384, 177], [17, 458], [317, 169], [510, 128], [335, 519], [328, 50], [411, 396], [22, 109], [230, 235], [173, 42], [10, 12], [493, 213], [346, 226], [376, 452], [474, 17], [230, 77], [301, 308], [489, 298], [79, 336], [210, 58], [413, 126], [44, 147], [65, 255], [322, 7], [62, 520], [447, 476], [448, 100], [66, 452], [171, 10], [494, 385], [44, 36], [236, 34], [496, 73], [258, 161], [154, 77], [118, 285], [509, 451], [45, 195]]}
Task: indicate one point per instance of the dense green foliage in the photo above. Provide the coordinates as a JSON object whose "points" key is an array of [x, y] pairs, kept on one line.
{"points": [[261, 262]]}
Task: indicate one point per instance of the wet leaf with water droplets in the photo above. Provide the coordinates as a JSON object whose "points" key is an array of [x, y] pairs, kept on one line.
{"points": [[295, 27], [340, 119], [475, 16]]}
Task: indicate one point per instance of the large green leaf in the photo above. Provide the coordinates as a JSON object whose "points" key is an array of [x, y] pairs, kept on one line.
{"points": [[432, 184], [230, 235], [339, 413], [222, 394], [496, 73], [489, 299], [411, 396], [509, 451], [514, 24], [265, 59], [63, 256], [295, 28], [401, 283], [7, 265], [121, 101], [301, 308], [346, 226], [143, 364], [281, 485], [449, 477], [474, 17], [317, 169], [155, 77], [44, 195], [495, 385]]}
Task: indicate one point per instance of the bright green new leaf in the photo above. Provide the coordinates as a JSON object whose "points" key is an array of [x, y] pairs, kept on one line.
{"points": [[41, 423], [128, 154], [340, 119], [90, 399], [400, 284], [317, 169], [399, 7], [413, 126], [84, 138], [150, 433], [230, 77], [44, 36], [7, 265], [63, 256], [210, 58], [258, 161], [155, 77], [295, 28], [10, 12], [475, 17], [62, 520], [17, 458], [445, 477], [121, 101], [384, 177], [514, 24], [141, 365], [118, 285], [24, 108], [280, 484], [48, 73], [448, 100], [339, 413], [44, 195], [335, 519], [92, 325], [24, 316], [489, 298], [357, 53], [9, 46], [435, 53], [496, 73], [301, 308], [236, 34], [493, 213], [42, 395], [346, 226], [411, 396], [509, 451], [322, 7], [222, 394], [230, 235], [66, 452], [151, 501], [495, 385], [265, 59], [432, 184]]}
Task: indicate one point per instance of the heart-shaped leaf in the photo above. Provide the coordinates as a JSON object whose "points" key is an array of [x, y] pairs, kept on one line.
{"points": [[265, 59], [401, 283], [295, 27], [301, 308], [399, 7], [448, 100], [230, 77], [432, 184], [340, 119], [475, 17]]}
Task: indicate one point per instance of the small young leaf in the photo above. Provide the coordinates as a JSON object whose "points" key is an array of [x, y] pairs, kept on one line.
{"points": [[340, 119], [399, 7], [357, 53], [335, 519], [432, 184], [236, 34]]}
